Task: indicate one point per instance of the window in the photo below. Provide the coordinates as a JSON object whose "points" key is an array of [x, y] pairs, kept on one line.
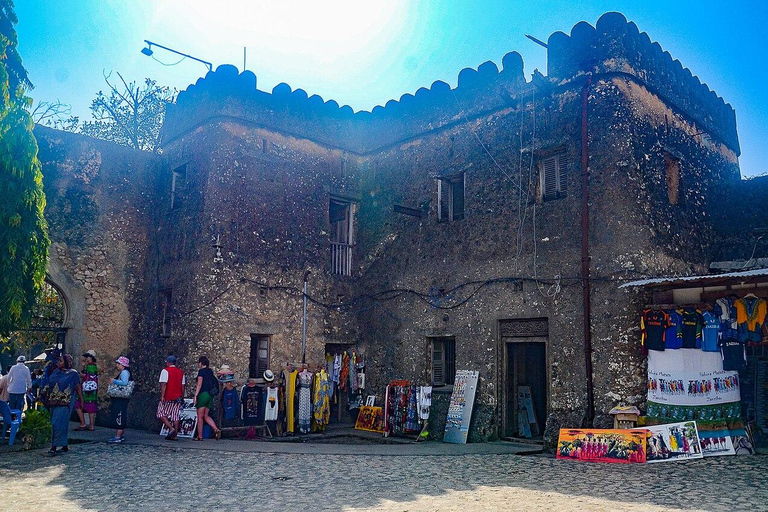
{"points": [[260, 349], [553, 170], [178, 187], [443, 361], [450, 198], [165, 308], [341, 214], [672, 177]]}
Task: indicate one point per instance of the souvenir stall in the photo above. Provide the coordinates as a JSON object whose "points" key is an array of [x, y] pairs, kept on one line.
{"points": [[406, 408], [703, 337]]}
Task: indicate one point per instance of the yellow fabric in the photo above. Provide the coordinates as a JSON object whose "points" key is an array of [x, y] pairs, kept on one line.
{"points": [[289, 397], [758, 314]]}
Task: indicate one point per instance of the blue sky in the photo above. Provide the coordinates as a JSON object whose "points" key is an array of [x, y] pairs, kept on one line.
{"points": [[363, 53]]}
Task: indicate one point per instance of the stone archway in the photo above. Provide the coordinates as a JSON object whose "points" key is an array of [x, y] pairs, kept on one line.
{"points": [[74, 300]]}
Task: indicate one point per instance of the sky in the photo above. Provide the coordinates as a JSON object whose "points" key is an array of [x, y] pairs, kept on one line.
{"points": [[365, 52]]}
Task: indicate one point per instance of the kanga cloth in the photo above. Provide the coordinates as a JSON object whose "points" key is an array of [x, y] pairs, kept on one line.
{"points": [[60, 394], [90, 378], [322, 399], [305, 401]]}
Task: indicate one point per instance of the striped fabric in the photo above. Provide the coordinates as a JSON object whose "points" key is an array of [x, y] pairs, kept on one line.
{"points": [[169, 409]]}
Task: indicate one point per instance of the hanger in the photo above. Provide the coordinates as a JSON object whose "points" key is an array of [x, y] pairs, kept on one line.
{"points": [[750, 295]]}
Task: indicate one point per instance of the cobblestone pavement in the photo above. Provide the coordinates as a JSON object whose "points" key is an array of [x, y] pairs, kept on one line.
{"points": [[97, 476]]}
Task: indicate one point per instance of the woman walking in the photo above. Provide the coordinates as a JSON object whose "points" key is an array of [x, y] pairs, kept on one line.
{"points": [[118, 407], [61, 389], [207, 388], [88, 404]]}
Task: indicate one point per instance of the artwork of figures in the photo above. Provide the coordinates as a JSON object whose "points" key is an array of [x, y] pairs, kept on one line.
{"points": [[597, 445], [187, 420], [721, 445], [674, 441], [371, 419]]}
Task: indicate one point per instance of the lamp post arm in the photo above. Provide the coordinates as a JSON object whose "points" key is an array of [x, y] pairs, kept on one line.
{"points": [[210, 66]]}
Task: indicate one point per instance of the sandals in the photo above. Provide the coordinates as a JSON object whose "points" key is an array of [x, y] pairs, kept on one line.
{"points": [[217, 434], [81, 428]]}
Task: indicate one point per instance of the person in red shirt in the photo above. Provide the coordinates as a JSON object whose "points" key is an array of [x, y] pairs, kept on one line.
{"points": [[171, 397]]}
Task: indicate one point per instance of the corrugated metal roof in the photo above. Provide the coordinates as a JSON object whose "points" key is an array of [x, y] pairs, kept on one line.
{"points": [[708, 280]]}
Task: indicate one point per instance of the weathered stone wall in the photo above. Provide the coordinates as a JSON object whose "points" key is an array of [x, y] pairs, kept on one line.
{"points": [[99, 209]]}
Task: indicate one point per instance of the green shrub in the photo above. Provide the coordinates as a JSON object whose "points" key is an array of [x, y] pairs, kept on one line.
{"points": [[35, 430]]}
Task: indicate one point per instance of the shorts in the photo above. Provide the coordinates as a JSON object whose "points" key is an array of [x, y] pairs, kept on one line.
{"points": [[204, 400], [170, 409]]}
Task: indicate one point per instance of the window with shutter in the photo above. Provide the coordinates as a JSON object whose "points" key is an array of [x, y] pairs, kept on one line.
{"points": [[443, 361], [260, 352], [178, 187], [554, 176]]}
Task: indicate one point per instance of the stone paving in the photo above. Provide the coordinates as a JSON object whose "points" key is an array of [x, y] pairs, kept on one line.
{"points": [[206, 476]]}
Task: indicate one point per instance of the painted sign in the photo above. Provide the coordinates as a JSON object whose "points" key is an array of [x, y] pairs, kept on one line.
{"points": [[460, 407], [602, 445], [693, 388], [370, 418], [187, 420], [673, 441]]}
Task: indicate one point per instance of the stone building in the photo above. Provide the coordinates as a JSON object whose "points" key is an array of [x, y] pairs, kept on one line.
{"points": [[485, 227]]}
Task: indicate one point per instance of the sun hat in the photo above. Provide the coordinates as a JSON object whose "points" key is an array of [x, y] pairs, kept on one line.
{"points": [[227, 377], [21, 359], [123, 361], [269, 376], [91, 353]]}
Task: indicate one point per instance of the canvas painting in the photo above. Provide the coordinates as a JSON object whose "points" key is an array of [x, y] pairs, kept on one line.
{"points": [[717, 445], [673, 441], [602, 445], [187, 420], [370, 419]]}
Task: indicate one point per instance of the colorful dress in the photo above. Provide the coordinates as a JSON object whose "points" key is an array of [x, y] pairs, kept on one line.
{"points": [[290, 399], [322, 400], [90, 381], [305, 401]]}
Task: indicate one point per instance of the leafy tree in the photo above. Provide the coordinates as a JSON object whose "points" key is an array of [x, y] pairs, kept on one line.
{"points": [[23, 230], [130, 114]]}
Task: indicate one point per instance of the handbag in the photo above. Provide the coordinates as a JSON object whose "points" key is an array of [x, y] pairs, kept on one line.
{"points": [[115, 391]]}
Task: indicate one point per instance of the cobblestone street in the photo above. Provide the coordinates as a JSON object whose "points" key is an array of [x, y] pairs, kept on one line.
{"points": [[97, 476]]}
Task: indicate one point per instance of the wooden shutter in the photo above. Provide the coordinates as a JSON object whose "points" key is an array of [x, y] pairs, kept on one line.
{"points": [[562, 176], [438, 363], [549, 178]]}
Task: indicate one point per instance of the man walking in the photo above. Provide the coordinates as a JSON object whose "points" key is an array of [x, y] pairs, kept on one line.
{"points": [[19, 382], [171, 392]]}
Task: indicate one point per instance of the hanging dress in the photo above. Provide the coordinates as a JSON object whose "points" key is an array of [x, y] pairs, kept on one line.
{"points": [[271, 405], [322, 401], [290, 399], [305, 401]]}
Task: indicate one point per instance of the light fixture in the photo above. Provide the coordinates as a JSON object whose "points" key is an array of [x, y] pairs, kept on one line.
{"points": [[147, 51]]}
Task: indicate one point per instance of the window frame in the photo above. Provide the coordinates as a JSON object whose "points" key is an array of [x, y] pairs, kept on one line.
{"points": [[178, 186], [561, 163], [445, 346], [451, 183], [257, 367]]}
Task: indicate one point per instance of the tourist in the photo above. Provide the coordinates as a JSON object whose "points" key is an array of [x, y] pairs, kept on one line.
{"points": [[207, 388], [90, 382], [171, 397], [61, 389], [118, 407], [19, 382]]}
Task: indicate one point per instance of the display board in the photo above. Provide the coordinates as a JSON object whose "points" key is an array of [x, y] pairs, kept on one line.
{"points": [[187, 420], [693, 388], [460, 407], [370, 418], [602, 445], [527, 425], [673, 441]]}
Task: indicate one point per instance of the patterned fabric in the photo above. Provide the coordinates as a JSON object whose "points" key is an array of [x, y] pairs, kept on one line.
{"points": [[322, 401], [60, 388], [344, 372], [305, 401], [170, 409], [711, 420], [402, 409]]}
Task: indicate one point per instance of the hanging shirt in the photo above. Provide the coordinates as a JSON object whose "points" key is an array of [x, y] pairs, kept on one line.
{"points": [[250, 398], [271, 405], [710, 336], [726, 310], [653, 323], [734, 354], [750, 316], [424, 401], [230, 402], [691, 327], [673, 334]]}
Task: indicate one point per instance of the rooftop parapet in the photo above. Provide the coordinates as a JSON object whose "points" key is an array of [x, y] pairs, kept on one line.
{"points": [[615, 45], [226, 93]]}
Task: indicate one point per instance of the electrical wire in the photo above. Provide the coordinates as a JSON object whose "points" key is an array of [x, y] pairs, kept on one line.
{"points": [[165, 64]]}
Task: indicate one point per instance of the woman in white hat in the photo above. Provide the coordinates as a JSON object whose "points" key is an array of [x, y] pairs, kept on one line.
{"points": [[118, 407]]}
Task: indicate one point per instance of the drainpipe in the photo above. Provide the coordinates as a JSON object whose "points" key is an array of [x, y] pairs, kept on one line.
{"points": [[585, 283], [304, 321]]}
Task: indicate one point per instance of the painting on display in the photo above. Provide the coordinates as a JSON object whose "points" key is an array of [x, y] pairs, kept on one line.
{"points": [[187, 420], [371, 419], [693, 388], [602, 445], [673, 441], [718, 445], [460, 407]]}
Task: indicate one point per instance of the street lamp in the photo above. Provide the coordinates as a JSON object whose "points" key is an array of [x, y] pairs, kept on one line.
{"points": [[148, 52]]}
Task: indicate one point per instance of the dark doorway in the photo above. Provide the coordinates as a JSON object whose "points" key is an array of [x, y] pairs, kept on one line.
{"points": [[260, 352], [525, 387]]}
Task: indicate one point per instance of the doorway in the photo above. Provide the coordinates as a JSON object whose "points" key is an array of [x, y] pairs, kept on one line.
{"points": [[525, 386]]}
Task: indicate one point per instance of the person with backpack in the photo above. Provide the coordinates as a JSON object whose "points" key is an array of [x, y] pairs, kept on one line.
{"points": [[207, 389], [118, 406]]}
